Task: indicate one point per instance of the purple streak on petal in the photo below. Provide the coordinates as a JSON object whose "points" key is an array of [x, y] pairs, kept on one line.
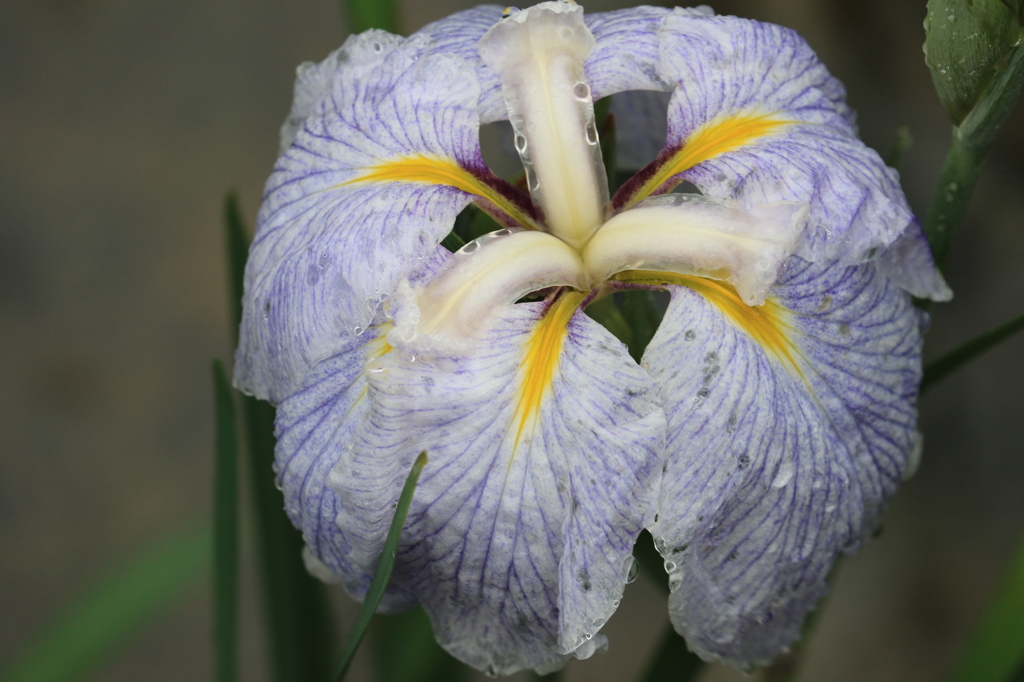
{"points": [[325, 253], [513, 557], [771, 474]]}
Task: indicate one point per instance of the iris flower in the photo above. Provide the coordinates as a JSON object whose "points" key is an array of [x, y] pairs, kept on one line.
{"points": [[772, 415]]}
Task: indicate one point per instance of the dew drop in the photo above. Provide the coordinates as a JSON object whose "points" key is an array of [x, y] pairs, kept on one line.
{"points": [[674, 581], [581, 91], [531, 179], [358, 331], [520, 142], [690, 335], [502, 233], [566, 33], [670, 566], [598, 622], [591, 133], [659, 544], [378, 48], [633, 571], [470, 247]]}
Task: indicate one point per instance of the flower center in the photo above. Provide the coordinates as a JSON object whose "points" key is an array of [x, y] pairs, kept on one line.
{"points": [[539, 55]]}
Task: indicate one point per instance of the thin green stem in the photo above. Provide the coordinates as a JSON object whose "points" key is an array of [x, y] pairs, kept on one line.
{"points": [[971, 142], [956, 184], [939, 369]]}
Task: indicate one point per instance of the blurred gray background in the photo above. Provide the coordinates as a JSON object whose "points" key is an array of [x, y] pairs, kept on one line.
{"points": [[122, 124]]}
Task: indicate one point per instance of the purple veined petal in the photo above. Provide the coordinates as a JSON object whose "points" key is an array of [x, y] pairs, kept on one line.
{"points": [[314, 428], [908, 262], [545, 456], [379, 168], [626, 54], [789, 426], [756, 117], [459, 34]]}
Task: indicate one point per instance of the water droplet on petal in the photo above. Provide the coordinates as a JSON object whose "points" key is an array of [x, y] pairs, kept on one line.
{"points": [[632, 570], [581, 91]]}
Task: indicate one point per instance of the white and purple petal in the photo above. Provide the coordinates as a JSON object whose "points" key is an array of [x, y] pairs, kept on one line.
{"points": [[727, 69], [328, 247], [788, 429], [459, 35], [519, 539]]}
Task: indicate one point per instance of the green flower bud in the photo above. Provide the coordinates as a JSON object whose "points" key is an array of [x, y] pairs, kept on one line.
{"points": [[967, 43]]}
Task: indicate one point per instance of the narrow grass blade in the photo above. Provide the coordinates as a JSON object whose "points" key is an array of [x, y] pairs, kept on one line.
{"points": [[939, 369], [673, 662], [365, 14], [383, 572], [225, 530], [998, 646], [297, 613], [113, 611], [237, 251]]}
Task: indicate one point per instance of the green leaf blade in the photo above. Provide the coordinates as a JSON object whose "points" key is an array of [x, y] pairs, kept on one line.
{"points": [[237, 244], [107, 617], [381, 576], [997, 650], [295, 604], [225, 530]]}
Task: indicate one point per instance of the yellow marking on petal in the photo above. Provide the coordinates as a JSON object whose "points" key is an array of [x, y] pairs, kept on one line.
{"points": [[379, 346], [714, 138], [543, 349], [765, 324], [431, 170]]}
